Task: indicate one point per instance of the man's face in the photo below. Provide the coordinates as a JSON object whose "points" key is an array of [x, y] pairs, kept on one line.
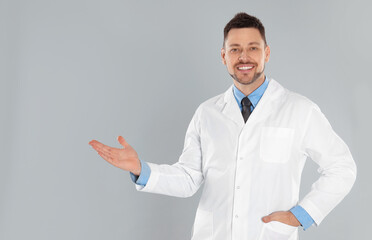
{"points": [[245, 55]]}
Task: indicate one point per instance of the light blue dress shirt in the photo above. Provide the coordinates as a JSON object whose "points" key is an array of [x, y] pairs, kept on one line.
{"points": [[302, 216], [254, 97]]}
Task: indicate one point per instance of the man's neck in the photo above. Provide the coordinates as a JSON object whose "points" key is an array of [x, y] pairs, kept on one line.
{"points": [[249, 88]]}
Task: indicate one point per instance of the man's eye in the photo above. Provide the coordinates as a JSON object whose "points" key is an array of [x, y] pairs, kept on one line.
{"points": [[234, 50], [253, 48]]}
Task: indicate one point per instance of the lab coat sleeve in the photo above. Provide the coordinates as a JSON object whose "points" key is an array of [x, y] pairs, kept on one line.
{"points": [[336, 166], [183, 178]]}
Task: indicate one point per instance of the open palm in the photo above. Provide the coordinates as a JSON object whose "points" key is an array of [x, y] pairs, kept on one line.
{"points": [[125, 158]]}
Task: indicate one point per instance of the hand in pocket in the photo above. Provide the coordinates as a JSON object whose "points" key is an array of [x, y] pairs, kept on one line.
{"points": [[285, 217]]}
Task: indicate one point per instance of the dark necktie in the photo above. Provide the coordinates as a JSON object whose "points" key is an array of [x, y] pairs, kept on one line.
{"points": [[246, 108]]}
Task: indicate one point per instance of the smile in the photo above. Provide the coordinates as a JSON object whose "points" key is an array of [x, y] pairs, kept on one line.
{"points": [[245, 68]]}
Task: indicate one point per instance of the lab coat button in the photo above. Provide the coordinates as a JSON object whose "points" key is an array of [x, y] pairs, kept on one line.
{"points": [[236, 216], [241, 158], [238, 187]]}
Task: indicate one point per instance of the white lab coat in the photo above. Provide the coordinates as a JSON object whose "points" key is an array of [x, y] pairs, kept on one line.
{"points": [[251, 170]]}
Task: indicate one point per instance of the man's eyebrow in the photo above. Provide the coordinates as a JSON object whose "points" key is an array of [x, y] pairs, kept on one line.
{"points": [[238, 45], [254, 43]]}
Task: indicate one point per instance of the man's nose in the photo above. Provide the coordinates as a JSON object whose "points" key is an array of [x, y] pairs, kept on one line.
{"points": [[244, 56]]}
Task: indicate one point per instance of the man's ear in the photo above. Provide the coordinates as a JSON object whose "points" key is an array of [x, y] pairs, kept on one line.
{"points": [[267, 53], [223, 55]]}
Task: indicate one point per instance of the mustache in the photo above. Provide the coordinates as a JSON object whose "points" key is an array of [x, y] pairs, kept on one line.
{"points": [[241, 62]]}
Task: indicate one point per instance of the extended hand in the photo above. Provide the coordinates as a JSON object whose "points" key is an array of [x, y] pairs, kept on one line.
{"points": [[285, 217], [125, 158]]}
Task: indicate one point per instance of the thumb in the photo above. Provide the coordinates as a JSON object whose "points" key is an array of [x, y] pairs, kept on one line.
{"points": [[267, 219], [275, 216], [122, 141]]}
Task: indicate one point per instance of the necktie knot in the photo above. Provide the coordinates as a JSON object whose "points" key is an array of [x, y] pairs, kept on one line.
{"points": [[246, 102]]}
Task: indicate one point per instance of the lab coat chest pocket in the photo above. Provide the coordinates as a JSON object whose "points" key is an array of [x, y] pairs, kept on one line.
{"points": [[203, 225], [276, 144]]}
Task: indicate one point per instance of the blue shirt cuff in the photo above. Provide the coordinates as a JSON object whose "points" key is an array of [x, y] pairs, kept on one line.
{"points": [[144, 175], [302, 216]]}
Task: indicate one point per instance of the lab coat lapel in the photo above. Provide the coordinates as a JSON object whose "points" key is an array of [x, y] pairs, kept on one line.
{"points": [[231, 108], [269, 101]]}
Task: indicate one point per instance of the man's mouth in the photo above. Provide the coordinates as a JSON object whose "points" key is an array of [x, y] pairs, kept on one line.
{"points": [[245, 68]]}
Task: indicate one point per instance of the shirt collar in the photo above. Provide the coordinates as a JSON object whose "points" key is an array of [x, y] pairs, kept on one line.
{"points": [[254, 97]]}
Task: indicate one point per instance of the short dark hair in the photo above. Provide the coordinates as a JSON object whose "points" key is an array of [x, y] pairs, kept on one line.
{"points": [[243, 20]]}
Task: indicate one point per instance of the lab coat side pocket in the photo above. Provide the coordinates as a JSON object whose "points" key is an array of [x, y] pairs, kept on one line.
{"points": [[278, 231], [203, 225], [276, 144]]}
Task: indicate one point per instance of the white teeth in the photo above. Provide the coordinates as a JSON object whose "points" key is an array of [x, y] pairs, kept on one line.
{"points": [[245, 68]]}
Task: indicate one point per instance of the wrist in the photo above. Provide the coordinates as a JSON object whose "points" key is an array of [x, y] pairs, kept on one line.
{"points": [[294, 219], [137, 170]]}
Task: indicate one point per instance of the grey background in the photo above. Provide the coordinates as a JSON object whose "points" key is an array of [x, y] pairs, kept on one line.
{"points": [[73, 71]]}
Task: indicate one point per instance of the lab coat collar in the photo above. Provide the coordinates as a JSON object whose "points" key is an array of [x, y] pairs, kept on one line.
{"points": [[231, 109]]}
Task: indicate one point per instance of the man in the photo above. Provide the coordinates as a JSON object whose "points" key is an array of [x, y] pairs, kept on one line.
{"points": [[249, 146]]}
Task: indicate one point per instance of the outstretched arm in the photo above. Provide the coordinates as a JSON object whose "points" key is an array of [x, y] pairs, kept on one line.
{"points": [[182, 179]]}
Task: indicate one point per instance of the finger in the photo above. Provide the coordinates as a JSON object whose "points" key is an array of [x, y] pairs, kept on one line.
{"points": [[98, 145], [276, 216], [266, 219], [106, 157], [93, 142], [122, 141], [101, 149], [104, 148], [110, 159]]}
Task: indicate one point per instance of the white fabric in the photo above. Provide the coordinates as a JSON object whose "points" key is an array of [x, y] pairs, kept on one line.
{"points": [[251, 170]]}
